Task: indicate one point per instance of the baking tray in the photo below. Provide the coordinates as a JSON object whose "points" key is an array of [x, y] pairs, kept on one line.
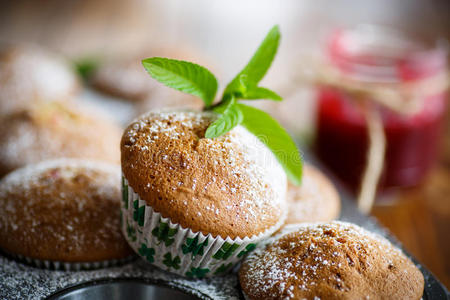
{"points": [[139, 280]]}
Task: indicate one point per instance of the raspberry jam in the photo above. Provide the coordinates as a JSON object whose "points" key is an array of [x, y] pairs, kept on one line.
{"points": [[372, 54]]}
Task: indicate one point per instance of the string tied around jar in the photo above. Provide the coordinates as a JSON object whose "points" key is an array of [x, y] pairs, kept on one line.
{"points": [[405, 98]]}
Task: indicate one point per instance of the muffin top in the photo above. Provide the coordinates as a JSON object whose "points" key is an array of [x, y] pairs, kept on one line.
{"points": [[29, 73], [231, 186], [54, 129], [125, 77], [63, 210], [316, 199], [334, 260]]}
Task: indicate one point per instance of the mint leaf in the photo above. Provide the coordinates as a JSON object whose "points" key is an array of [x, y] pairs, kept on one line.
{"points": [[259, 64], [249, 91], [268, 131], [260, 93], [230, 117], [86, 66], [184, 76]]}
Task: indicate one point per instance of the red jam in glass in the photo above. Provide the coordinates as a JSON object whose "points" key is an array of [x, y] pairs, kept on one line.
{"points": [[372, 54]]}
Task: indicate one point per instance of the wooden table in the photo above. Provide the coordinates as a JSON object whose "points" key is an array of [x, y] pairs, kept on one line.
{"points": [[420, 219]]}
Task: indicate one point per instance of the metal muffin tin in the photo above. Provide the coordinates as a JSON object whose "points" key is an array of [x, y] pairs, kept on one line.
{"points": [[138, 280], [121, 289]]}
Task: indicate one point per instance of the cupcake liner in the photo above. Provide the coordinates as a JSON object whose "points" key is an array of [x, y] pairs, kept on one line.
{"points": [[179, 250], [245, 296], [69, 266]]}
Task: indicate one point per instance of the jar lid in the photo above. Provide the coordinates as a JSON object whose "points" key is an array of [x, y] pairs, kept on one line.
{"points": [[382, 54]]}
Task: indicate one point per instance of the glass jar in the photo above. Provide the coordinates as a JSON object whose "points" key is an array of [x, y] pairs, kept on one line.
{"points": [[370, 54]]}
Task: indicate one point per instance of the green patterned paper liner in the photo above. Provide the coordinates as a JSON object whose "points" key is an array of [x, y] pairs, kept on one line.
{"points": [[179, 250]]}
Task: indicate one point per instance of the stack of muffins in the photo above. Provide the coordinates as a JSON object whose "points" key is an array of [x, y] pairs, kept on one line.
{"points": [[189, 205], [60, 191]]}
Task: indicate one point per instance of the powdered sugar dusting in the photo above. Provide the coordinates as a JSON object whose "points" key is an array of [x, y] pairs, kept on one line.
{"points": [[251, 180], [52, 130], [34, 198], [315, 200], [30, 73], [27, 177], [295, 259], [23, 282], [299, 206]]}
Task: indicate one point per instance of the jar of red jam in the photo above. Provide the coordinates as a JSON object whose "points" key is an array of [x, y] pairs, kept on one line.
{"points": [[370, 54]]}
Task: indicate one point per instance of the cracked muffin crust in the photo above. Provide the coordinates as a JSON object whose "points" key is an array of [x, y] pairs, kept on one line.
{"points": [[231, 186], [335, 260], [63, 210]]}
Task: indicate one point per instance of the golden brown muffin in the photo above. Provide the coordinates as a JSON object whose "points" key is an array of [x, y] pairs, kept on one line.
{"points": [[231, 186], [29, 74], [125, 77], [315, 200], [52, 130], [334, 260], [63, 210]]}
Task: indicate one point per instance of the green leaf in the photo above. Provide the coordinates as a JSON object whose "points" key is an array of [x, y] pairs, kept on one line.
{"points": [[86, 66], [259, 63], [260, 93], [275, 137], [230, 118], [249, 91], [184, 76]]}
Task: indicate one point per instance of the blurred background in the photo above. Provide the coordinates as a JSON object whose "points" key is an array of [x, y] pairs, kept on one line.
{"points": [[385, 43]]}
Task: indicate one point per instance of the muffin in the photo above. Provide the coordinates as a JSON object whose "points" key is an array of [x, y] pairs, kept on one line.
{"points": [[196, 206], [334, 260], [315, 200], [29, 74], [63, 213], [125, 77], [51, 130]]}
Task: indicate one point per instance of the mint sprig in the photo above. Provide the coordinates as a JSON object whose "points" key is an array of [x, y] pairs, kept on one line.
{"points": [[230, 117], [199, 81], [184, 76]]}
